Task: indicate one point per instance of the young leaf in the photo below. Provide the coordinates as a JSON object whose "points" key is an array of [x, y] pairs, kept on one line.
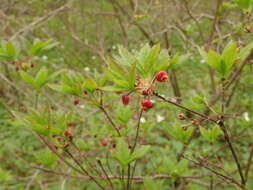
{"points": [[27, 78], [213, 59], [41, 77], [139, 152], [90, 85], [229, 54], [122, 153]]}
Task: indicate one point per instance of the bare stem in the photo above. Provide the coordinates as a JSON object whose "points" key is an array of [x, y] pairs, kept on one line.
{"points": [[83, 169], [110, 120], [249, 164], [227, 138], [107, 177]]}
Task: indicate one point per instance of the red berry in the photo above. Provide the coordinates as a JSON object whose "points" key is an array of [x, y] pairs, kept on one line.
{"points": [[68, 133], [70, 124], [103, 142], [32, 65], [146, 104], [114, 145], [76, 102], [162, 76], [125, 100]]}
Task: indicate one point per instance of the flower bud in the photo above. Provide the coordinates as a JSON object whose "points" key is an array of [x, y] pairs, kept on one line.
{"points": [[162, 76]]}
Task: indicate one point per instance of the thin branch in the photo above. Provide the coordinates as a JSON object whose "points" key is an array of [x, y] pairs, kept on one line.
{"points": [[142, 29], [249, 163], [83, 169], [46, 17], [216, 173], [110, 119], [107, 177], [183, 107], [227, 138]]}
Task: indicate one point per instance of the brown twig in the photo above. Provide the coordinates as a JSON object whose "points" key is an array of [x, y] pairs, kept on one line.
{"points": [[216, 172], [227, 138], [82, 168], [249, 163], [110, 120]]}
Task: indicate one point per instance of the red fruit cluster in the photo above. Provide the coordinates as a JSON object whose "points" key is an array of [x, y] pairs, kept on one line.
{"points": [[146, 104], [125, 100], [162, 76]]}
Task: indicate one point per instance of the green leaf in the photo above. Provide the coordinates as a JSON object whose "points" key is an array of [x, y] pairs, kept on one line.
{"points": [[11, 50], [38, 47], [63, 88], [46, 157], [179, 133], [245, 51], [203, 54], [229, 54], [139, 152], [90, 85], [122, 153], [213, 59], [112, 89], [27, 78], [199, 99], [175, 168], [211, 134], [151, 59], [244, 4], [41, 77], [151, 184]]}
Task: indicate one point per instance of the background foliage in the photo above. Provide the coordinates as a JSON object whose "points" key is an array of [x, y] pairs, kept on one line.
{"points": [[53, 50]]}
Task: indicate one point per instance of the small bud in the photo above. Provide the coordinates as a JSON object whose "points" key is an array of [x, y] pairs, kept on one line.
{"points": [[162, 76], [181, 116], [114, 145], [76, 102], [32, 65], [146, 104], [184, 127], [195, 122], [147, 92], [70, 124], [103, 142], [125, 100], [68, 133]]}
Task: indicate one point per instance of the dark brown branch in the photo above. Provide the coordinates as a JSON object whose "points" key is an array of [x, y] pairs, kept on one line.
{"points": [[249, 163]]}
